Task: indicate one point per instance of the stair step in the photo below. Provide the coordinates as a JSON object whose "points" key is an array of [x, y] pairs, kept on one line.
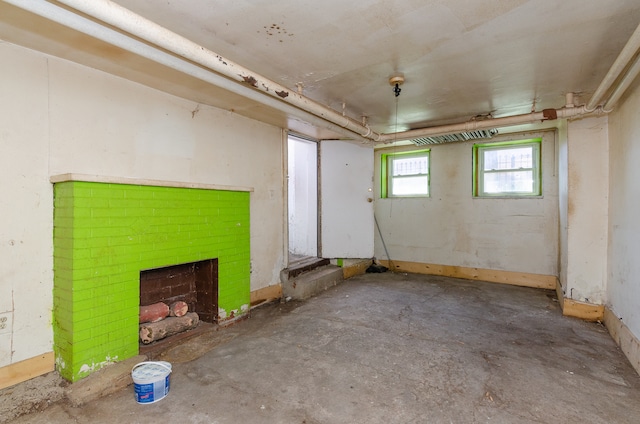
{"points": [[305, 264], [308, 284]]}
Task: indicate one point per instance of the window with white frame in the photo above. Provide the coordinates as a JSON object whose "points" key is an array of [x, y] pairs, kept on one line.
{"points": [[405, 174], [509, 169]]}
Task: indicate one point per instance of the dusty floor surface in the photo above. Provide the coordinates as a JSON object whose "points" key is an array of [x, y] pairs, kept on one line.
{"points": [[390, 348]]}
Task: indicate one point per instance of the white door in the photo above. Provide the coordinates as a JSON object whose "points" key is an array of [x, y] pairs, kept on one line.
{"points": [[346, 193]]}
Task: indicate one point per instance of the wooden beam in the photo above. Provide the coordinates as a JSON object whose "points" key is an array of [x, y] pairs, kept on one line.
{"points": [[620, 333], [582, 310], [577, 309], [266, 294], [357, 268], [27, 369], [523, 279]]}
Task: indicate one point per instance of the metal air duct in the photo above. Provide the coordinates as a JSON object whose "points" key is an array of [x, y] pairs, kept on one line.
{"points": [[450, 138]]}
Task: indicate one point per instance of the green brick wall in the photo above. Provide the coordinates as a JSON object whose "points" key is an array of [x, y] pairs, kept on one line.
{"points": [[105, 234]]}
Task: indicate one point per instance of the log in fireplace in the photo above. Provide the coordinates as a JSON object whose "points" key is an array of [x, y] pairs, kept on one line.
{"points": [[195, 283]]}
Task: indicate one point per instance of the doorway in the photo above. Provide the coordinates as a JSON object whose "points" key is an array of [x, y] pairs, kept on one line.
{"points": [[303, 198]]}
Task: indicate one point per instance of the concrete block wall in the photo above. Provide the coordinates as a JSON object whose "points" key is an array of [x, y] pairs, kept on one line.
{"points": [[105, 234]]}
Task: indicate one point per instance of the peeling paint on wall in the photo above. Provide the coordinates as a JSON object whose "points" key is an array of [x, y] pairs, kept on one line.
{"points": [[88, 369], [60, 363]]}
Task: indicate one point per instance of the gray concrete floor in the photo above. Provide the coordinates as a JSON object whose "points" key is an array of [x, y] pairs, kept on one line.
{"points": [[390, 348]]}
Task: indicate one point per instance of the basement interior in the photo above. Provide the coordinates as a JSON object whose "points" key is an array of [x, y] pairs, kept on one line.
{"points": [[367, 212]]}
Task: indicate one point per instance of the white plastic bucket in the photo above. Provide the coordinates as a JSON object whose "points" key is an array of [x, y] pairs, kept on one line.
{"points": [[151, 381]]}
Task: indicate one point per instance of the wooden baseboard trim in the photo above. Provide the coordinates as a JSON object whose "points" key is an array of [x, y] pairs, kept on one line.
{"points": [[266, 294], [628, 342], [577, 309], [27, 369], [538, 281], [582, 310], [355, 269]]}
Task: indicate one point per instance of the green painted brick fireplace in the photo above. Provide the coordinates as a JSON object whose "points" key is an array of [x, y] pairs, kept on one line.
{"points": [[105, 234]]}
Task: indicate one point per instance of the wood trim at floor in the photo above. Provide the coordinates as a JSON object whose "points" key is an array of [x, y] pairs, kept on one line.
{"points": [[620, 333], [266, 294], [582, 310], [27, 369], [577, 309], [359, 268], [523, 279]]}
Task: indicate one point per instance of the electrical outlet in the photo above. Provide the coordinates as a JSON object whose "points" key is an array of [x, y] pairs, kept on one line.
{"points": [[5, 322]]}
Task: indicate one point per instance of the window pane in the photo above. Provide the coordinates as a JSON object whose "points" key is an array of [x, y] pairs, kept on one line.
{"points": [[517, 158], [406, 174], [505, 182], [410, 166], [510, 169], [410, 186]]}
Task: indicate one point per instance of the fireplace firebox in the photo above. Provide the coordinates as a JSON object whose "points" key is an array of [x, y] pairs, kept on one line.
{"points": [[195, 283]]}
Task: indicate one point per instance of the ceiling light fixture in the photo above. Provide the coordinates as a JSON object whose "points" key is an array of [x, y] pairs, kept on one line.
{"points": [[396, 81]]}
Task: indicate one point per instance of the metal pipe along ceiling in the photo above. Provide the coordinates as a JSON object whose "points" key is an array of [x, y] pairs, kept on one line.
{"points": [[622, 61], [127, 21], [622, 86], [507, 121], [267, 92], [108, 35], [593, 106]]}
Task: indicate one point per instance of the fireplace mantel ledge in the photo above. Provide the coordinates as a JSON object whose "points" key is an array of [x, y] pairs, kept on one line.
{"points": [[145, 182]]}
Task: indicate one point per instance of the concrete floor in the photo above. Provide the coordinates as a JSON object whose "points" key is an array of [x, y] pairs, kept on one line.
{"points": [[390, 348]]}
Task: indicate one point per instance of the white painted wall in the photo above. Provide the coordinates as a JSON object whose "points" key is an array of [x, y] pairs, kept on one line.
{"points": [[26, 198], [57, 117], [563, 201], [587, 210], [453, 228], [303, 196], [623, 287]]}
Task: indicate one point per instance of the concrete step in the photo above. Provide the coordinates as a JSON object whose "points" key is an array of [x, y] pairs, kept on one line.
{"points": [[304, 264], [308, 284]]}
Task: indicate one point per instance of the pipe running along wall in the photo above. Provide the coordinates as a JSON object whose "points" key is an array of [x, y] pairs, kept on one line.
{"points": [[594, 106], [507, 121], [258, 88], [623, 84], [125, 20], [627, 53], [79, 23]]}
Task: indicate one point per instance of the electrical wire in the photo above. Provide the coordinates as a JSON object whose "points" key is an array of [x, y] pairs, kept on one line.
{"points": [[384, 245]]}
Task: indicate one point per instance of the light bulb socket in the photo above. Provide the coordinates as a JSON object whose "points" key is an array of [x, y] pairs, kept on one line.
{"points": [[396, 80]]}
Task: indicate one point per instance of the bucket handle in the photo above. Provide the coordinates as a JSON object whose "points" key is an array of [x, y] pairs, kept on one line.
{"points": [[151, 362]]}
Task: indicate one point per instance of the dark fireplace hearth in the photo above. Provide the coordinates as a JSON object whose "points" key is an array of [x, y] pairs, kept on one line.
{"points": [[195, 283]]}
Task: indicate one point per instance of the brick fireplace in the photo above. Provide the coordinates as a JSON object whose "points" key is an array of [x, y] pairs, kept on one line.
{"points": [[107, 232]]}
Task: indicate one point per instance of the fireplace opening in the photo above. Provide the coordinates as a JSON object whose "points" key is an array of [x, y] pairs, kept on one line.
{"points": [[194, 283]]}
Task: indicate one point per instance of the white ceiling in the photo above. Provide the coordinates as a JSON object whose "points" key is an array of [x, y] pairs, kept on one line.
{"points": [[460, 58]]}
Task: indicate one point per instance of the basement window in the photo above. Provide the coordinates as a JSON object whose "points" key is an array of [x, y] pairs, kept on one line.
{"points": [[405, 174], [509, 169]]}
